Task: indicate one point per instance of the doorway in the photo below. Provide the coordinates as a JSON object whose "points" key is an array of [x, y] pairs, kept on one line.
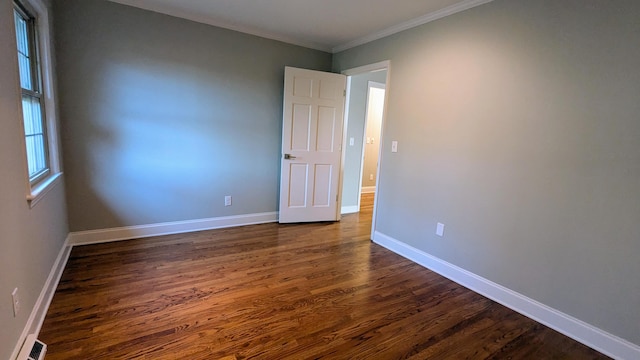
{"points": [[359, 82], [372, 130]]}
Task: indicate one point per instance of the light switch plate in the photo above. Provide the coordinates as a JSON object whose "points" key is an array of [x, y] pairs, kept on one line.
{"points": [[440, 229], [394, 146], [16, 302], [351, 141]]}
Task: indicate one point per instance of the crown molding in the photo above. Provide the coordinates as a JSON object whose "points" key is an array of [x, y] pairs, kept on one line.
{"points": [[221, 24], [167, 10], [449, 10]]}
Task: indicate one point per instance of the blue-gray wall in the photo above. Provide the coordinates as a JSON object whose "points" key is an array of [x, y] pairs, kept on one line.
{"points": [[517, 124], [162, 117], [30, 238]]}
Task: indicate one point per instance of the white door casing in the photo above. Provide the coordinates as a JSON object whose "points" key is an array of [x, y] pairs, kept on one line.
{"points": [[374, 107], [312, 125]]}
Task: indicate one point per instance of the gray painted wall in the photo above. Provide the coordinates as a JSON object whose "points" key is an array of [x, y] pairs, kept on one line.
{"points": [[30, 239], [355, 130], [163, 117], [517, 124]]}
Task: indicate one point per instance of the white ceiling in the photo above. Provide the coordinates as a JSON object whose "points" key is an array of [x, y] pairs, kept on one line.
{"points": [[328, 25]]}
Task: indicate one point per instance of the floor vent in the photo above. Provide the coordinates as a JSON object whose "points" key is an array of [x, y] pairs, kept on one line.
{"points": [[33, 349]]}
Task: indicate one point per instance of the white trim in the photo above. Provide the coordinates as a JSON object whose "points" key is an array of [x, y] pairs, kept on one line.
{"points": [[176, 227], [368, 189], [168, 10], [203, 19], [350, 209], [449, 10], [343, 149], [39, 191], [379, 66], [370, 85], [45, 42], [39, 311], [377, 85], [576, 329], [363, 150]]}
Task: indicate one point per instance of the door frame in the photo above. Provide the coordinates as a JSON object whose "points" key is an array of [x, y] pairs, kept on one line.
{"points": [[382, 65], [377, 85]]}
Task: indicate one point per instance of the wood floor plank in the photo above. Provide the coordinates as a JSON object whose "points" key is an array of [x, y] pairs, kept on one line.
{"points": [[271, 291]]}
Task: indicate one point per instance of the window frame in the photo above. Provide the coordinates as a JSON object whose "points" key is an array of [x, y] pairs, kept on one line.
{"points": [[35, 12], [34, 92]]}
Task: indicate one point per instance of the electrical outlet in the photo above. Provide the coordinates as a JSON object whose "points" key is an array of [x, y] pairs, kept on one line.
{"points": [[16, 302], [370, 176], [227, 200]]}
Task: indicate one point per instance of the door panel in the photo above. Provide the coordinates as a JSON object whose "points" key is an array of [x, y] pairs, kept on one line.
{"points": [[302, 87], [301, 126], [297, 190], [326, 129], [322, 185], [329, 90], [312, 121]]}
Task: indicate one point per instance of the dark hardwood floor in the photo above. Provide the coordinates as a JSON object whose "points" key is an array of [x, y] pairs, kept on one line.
{"points": [[304, 291]]}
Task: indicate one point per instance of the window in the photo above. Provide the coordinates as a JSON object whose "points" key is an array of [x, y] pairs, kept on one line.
{"points": [[32, 99], [37, 104]]}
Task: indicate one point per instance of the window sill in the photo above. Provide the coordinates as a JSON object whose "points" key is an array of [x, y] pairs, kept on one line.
{"points": [[40, 190]]}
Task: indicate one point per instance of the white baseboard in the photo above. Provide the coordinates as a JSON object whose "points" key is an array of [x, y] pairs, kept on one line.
{"points": [[39, 311], [176, 227], [349, 209], [368, 189], [37, 316], [576, 329]]}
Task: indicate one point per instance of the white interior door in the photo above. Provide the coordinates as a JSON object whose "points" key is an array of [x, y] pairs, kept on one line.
{"points": [[312, 124]]}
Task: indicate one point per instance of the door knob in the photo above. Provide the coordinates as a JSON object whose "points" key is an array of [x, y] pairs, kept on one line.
{"points": [[289, 157]]}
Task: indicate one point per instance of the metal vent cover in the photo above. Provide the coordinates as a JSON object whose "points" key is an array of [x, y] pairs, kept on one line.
{"points": [[32, 349]]}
